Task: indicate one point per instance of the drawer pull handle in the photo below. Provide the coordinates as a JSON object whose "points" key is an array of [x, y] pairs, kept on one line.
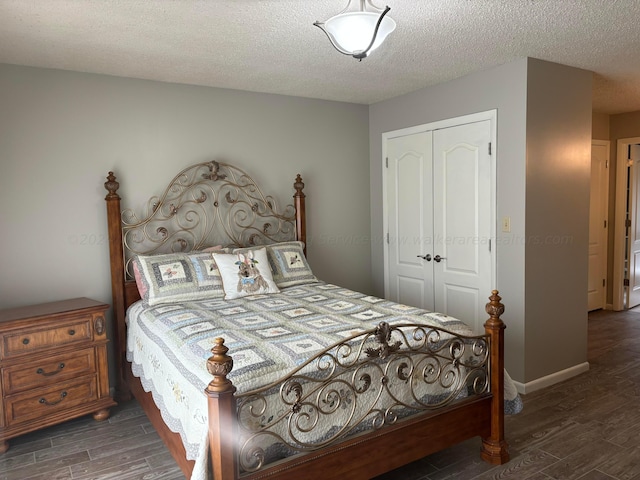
{"points": [[72, 332], [25, 341], [45, 402], [40, 371]]}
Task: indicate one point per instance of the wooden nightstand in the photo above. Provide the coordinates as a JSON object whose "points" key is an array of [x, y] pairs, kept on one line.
{"points": [[53, 365]]}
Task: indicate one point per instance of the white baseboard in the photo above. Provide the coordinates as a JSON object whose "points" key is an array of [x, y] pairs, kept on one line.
{"points": [[557, 377]]}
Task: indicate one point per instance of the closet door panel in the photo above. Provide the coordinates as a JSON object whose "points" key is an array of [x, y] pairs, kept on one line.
{"points": [[462, 220], [410, 219]]}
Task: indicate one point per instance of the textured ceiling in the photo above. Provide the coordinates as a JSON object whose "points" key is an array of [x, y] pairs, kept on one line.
{"points": [[272, 45]]}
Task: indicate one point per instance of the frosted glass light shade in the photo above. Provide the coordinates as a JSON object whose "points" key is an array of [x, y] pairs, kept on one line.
{"points": [[353, 31]]}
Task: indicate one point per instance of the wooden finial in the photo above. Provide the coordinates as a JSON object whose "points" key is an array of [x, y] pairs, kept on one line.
{"points": [[298, 186], [112, 186], [494, 309], [220, 365]]}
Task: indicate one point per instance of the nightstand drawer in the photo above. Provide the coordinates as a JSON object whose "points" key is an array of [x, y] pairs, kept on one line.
{"points": [[49, 370], [33, 339], [34, 404]]}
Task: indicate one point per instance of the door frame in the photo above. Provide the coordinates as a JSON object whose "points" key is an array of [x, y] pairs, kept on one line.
{"points": [[491, 115], [619, 250], [605, 205]]}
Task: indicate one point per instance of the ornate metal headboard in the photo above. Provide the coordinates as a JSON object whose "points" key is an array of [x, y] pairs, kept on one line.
{"points": [[206, 204]]}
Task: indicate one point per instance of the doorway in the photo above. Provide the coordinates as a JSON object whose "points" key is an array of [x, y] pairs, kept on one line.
{"points": [[626, 267]]}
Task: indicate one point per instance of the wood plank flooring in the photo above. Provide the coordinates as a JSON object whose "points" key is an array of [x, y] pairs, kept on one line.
{"points": [[125, 447], [587, 428]]}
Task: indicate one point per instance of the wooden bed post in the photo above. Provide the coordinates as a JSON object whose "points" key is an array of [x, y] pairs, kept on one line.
{"points": [[222, 414], [494, 448], [116, 254], [301, 219]]}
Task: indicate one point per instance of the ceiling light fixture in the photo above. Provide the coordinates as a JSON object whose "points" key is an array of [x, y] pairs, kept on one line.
{"points": [[358, 33]]}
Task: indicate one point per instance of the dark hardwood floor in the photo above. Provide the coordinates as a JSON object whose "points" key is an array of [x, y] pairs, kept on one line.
{"points": [[125, 447], [585, 428]]}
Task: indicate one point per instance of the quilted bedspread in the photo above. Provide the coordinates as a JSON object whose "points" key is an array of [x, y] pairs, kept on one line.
{"points": [[267, 335]]}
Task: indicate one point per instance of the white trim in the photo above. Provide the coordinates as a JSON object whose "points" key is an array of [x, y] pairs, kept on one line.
{"points": [[557, 377], [605, 200], [449, 122]]}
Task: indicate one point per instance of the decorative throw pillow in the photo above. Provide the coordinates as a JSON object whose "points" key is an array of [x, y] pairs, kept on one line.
{"points": [[289, 265], [245, 273], [177, 277]]}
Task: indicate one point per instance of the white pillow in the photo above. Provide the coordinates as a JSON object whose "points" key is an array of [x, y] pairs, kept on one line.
{"points": [[245, 273], [288, 264]]}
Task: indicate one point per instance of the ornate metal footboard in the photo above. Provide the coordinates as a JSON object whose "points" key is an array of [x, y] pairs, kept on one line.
{"points": [[367, 381]]}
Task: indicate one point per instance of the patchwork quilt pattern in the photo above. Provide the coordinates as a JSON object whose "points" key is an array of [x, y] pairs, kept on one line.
{"points": [[267, 335]]}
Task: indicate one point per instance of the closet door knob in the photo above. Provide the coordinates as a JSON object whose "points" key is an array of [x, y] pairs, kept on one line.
{"points": [[426, 257], [438, 258]]}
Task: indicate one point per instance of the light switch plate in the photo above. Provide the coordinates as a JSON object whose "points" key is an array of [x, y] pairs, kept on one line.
{"points": [[506, 224]]}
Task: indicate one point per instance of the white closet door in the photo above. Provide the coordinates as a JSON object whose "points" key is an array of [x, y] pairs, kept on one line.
{"points": [[439, 219], [462, 221], [410, 219]]}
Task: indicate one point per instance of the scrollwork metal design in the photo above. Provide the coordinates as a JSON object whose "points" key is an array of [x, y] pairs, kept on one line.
{"points": [[207, 204], [383, 336], [360, 384]]}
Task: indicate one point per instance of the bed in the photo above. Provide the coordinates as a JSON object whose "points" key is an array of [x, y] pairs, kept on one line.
{"points": [[282, 375]]}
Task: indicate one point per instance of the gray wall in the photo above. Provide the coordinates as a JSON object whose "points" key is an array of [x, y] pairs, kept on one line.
{"points": [[557, 217], [502, 88], [513, 89], [61, 132], [624, 125], [599, 126]]}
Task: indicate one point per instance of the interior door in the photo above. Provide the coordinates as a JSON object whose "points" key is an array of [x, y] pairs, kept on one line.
{"points": [[462, 221], [410, 217], [439, 219], [633, 236], [598, 211]]}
